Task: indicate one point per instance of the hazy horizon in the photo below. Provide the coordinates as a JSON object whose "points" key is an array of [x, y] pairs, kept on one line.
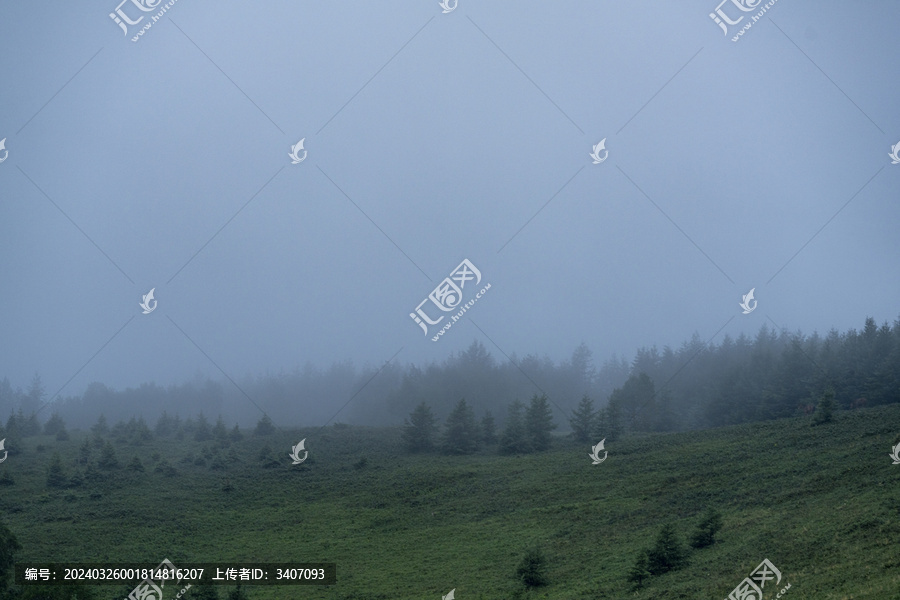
{"points": [[433, 138]]}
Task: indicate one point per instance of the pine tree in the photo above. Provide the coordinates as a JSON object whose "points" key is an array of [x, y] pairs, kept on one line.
{"points": [[84, 452], [12, 425], [705, 534], [29, 425], [203, 431], [219, 431], [56, 476], [582, 420], [100, 427], [108, 458], [264, 426], [8, 547], [668, 553], [236, 435], [461, 433], [136, 465], [165, 425], [54, 424], [608, 424], [539, 423], [639, 571], [418, 430], [513, 439], [140, 433], [532, 568], [825, 409], [488, 429]]}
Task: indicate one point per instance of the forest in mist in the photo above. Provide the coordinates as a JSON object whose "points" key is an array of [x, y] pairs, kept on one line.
{"points": [[698, 385]]}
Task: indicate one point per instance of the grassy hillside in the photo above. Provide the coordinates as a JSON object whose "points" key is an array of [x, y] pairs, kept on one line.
{"points": [[822, 503]]}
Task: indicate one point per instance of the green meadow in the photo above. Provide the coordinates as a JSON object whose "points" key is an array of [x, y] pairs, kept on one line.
{"points": [[822, 503]]}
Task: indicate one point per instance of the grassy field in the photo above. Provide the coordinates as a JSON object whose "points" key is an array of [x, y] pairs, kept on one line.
{"points": [[821, 503]]}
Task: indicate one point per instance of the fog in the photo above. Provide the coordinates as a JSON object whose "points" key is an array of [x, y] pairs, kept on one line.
{"points": [[433, 138]]}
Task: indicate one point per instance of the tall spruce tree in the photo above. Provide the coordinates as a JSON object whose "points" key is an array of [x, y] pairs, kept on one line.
{"points": [[419, 429], [582, 421], [539, 423], [488, 429], [513, 440], [461, 433]]}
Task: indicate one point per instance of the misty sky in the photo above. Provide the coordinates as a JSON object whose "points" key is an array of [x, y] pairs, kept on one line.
{"points": [[434, 138]]}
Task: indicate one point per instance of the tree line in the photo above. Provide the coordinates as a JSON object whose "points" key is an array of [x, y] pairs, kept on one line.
{"points": [[698, 385]]}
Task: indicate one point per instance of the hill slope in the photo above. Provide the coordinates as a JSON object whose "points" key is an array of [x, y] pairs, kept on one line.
{"points": [[821, 503]]}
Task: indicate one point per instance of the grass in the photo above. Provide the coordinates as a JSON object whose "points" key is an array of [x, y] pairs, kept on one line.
{"points": [[822, 503]]}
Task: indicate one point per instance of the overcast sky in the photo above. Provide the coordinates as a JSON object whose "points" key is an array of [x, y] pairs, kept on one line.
{"points": [[432, 138]]}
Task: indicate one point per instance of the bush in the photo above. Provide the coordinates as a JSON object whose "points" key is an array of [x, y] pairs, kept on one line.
{"points": [[531, 569]]}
